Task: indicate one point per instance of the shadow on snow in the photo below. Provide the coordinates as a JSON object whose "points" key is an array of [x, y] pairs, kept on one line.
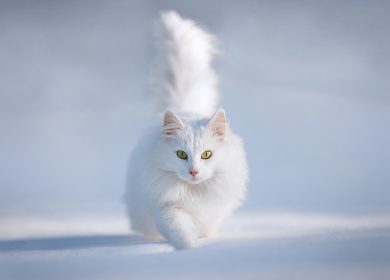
{"points": [[72, 242]]}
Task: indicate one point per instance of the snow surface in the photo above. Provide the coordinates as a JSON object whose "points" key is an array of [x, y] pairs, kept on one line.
{"points": [[250, 246]]}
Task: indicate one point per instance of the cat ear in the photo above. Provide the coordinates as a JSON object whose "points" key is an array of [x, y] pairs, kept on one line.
{"points": [[218, 124], [172, 123]]}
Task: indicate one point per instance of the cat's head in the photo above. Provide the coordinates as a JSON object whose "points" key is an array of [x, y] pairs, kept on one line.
{"points": [[193, 151]]}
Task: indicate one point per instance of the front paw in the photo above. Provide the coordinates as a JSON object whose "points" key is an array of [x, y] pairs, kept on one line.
{"points": [[184, 244]]}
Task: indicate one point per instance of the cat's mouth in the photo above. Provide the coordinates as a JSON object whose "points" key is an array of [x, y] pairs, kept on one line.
{"points": [[192, 180]]}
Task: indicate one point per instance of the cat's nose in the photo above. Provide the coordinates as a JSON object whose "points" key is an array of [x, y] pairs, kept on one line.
{"points": [[193, 172]]}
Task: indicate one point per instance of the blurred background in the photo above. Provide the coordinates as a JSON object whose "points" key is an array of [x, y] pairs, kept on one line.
{"points": [[305, 83]]}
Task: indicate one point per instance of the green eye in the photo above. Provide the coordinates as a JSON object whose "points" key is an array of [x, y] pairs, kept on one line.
{"points": [[206, 154], [181, 154]]}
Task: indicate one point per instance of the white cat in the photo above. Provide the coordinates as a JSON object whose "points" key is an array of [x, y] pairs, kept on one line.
{"points": [[189, 171]]}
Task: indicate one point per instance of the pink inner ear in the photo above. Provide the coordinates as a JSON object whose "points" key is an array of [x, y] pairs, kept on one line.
{"points": [[217, 123], [172, 123], [218, 131], [170, 129]]}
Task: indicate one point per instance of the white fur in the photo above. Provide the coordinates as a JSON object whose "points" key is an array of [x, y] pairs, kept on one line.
{"points": [[183, 79], [163, 199]]}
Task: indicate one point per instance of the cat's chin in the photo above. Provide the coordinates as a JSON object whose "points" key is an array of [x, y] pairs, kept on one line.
{"points": [[195, 181]]}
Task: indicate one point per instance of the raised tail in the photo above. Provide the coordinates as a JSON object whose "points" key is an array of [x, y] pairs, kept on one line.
{"points": [[183, 77]]}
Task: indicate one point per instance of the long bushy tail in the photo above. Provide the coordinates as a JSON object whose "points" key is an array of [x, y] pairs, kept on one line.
{"points": [[183, 77]]}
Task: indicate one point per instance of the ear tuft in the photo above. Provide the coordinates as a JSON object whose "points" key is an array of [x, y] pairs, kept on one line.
{"points": [[218, 123], [172, 123]]}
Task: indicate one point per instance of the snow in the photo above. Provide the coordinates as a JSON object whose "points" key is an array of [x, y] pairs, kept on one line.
{"points": [[250, 246]]}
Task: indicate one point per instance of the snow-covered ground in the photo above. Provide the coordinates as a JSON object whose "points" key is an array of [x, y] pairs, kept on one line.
{"points": [[251, 246]]}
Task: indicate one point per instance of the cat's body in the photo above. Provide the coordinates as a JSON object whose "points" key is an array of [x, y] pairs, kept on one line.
{"points": [[189, 171]]}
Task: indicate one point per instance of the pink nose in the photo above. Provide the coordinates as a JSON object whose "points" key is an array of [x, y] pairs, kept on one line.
{"points": [[193, 172]]}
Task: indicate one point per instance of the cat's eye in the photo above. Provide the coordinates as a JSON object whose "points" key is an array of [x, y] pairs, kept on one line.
{"points": [[181, 154], [206, 154]]}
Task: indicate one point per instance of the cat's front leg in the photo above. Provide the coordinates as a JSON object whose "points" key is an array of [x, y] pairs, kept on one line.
{"points": [[177, 226]]}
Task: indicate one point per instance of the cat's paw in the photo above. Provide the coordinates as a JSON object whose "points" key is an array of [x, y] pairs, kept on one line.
{"points": [[184, 244]]}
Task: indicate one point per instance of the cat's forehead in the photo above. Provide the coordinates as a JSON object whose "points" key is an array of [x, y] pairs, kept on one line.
{"points": [[194, 138]]}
